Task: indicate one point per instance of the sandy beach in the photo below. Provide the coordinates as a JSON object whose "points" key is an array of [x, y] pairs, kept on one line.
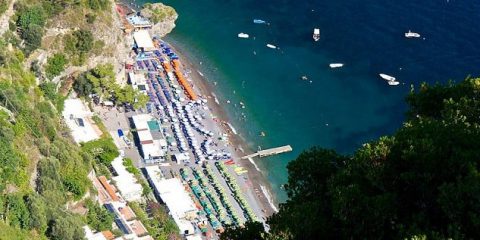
{"points": [[260, 187]]}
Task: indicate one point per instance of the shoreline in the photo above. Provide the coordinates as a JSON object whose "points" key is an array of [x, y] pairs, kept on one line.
{"points": [[255, 174]]}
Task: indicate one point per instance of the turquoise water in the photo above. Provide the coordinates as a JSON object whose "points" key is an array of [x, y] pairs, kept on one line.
{"points": [[340, 108]]}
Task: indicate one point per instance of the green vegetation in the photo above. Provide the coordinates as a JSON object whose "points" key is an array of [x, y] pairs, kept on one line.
{"points": [[421, 183], [159, 224], [128, 163], [41, 169], [98, 217], [55, 65], [30, 21], [50, 91], [78, 44], [98, 4], [158, 12], [3, 6], [103, 150], [101, 81]]}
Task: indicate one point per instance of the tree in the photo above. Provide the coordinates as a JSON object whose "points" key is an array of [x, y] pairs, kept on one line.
{"points": [[29, 16], [84, 40], [33, 37], [37, 209], [65, 228], [251, 231], [103, 150], [17, 212], [55, 65], [98, 217]]}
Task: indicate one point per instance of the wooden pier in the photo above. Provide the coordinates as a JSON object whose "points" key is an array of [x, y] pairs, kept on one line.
{"points": [[269, 152]]}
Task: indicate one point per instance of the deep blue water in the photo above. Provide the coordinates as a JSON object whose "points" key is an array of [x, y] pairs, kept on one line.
{"points": [[341, 108]]}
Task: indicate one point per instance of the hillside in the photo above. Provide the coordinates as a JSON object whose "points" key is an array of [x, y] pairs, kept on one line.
{"points": [[43, 173]]}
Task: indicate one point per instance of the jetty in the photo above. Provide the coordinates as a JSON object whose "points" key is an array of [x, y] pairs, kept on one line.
{"points": [[269, 152]]}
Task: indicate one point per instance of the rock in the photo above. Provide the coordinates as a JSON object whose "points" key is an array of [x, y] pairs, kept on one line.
{"points": [[162, 16]]}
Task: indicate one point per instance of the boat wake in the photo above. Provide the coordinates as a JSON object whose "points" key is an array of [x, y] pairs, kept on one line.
{"points": [[269, 198]]}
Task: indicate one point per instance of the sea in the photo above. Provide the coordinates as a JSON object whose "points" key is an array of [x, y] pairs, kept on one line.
{"points": [[335, 108]]}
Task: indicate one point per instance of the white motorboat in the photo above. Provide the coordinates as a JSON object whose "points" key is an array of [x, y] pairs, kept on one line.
{"points": [[316, 34], [387, 77], [411, 34], [336, 65], [243, 35], [393, 83], [271, 46]]}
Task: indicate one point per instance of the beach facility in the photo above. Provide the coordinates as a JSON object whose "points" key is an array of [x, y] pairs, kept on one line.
{"points": [[138, 22], [126, 182], [138, 81], [172, 193], [143, 41], [152, 144]]}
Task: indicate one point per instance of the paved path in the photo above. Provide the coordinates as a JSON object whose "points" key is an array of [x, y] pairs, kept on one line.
{"points": [[5, 18]]}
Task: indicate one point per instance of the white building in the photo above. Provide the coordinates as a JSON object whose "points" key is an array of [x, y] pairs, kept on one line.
{"points": [[143, 40], [77, 116], [138, 81], [151, 149], [181, 158], [126, 182], [172, 192]]}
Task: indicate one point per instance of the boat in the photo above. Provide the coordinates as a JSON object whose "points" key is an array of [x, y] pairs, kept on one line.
{"points": [[271, 46], [316, 34], [336, 65], [259, 21], [243, 35], [411, 34], [387, 77], [304, 77], [393, 83]]}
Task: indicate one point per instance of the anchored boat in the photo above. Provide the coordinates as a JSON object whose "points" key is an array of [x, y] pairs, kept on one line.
{"points": [[259, 21], [390, 80], [387, 77], [243, 35], [271, 46], [316, 34], [336, 65], [411, 34]]}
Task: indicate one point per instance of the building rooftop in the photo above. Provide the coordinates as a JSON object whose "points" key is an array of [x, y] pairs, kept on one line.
{"points": [[172, 192], [143, 40], [77, 117], [126, 182], [138, 21], [152, 150], [141, 121]]}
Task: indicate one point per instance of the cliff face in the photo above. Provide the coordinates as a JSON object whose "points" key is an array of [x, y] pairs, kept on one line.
{"points": [[162, 16]]}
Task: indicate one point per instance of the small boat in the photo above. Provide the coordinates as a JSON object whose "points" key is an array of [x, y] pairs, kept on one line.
{"points": [[336, 65], [243, 35], [316, 34], [262, 134], [411, 34], [271, 46], [304, 77], [259, 21], [393, 83], [387, 77]]}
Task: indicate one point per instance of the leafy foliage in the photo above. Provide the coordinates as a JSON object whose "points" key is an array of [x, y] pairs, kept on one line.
{"points": [[103, 150], [101, 81], [55, 65], [98, 217], [159, 224]]}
